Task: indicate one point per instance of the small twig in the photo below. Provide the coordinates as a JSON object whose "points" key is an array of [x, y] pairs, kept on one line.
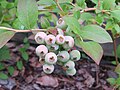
{"points": [[15, 30], [59, 5], [115, 53]]}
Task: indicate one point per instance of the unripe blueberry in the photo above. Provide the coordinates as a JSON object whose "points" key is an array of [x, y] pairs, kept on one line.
{"points": [[69, 42], [69, 65], [71, 72], [41, 50], [60, 31], [63, 56], [50, 39], [40, 37], [48, 69], [60, 39], [61, 24], [53, 47], [50, 58], [75, 55]]}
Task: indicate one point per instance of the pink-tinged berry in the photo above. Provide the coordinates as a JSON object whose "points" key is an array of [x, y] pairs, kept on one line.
{"points": [[71, 72], [48, 69], [75, 55], [41, 50], [60, 39], [50, 58], [69, 65], [63, 56], [40, 37], [69, 42], [50, 39], [61, 24]]}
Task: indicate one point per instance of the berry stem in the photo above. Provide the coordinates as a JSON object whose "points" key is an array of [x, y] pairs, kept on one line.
{"points": [[17, 31], [59, 5]]}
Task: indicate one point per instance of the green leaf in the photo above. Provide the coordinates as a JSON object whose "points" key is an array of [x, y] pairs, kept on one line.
{"points": [[65, 1], [108, 4], [95, 33], [24, 53], [46, 2], [72, 23], [4, 53], [86, 16], [117, 28], [27, 13], [2, 66], [112, 81], [19, 65], [5, 36], [81, 3], [3, 76], [118, 81], [116, 14], [92, 49], [11, 70], [76, 14]]}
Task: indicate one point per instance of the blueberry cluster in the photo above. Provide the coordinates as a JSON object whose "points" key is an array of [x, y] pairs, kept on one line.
{"points": [[57, 50]]}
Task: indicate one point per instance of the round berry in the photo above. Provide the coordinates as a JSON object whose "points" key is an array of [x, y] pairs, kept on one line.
{"points": [[50, 39], [75, 55], [41, 50], [53, 47], [60, 39], [71, 72], [50, 58], [69, 42], [61, 24], [63, 56], [48, 69], [69, 65], [40, 37]]}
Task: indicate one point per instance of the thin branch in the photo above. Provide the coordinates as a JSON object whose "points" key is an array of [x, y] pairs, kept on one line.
{"points": [[15, 30], [59, 5], [115, 53]]}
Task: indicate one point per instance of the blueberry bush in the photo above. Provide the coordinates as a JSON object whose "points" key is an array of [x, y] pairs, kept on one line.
{"points": [[59, 26]]}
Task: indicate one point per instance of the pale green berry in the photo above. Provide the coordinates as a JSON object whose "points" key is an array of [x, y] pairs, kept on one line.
{"points": [[69, 65], [75, 55], [48, 69], [63, 56], [50, 39], [60, 31], [50, 58], [41, 50], [40, 37], [53, 47], [60, 39], [71, 72], [69, 42], [61, 24]]}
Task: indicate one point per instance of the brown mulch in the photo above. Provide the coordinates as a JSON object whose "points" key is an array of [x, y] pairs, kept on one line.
{"points": [[89, 76]]}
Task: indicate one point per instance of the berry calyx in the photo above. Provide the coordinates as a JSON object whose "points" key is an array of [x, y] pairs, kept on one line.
{"points": [[50, 58], [50, 39], [60, 39], [69, 65]]}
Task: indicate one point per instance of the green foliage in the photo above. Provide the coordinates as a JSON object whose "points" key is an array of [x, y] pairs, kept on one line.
{"points": [[3, 75], [19, 65], [27, 13], [5, 36], [4, 54], [11, 70], [93, 49], [23, 50]]}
